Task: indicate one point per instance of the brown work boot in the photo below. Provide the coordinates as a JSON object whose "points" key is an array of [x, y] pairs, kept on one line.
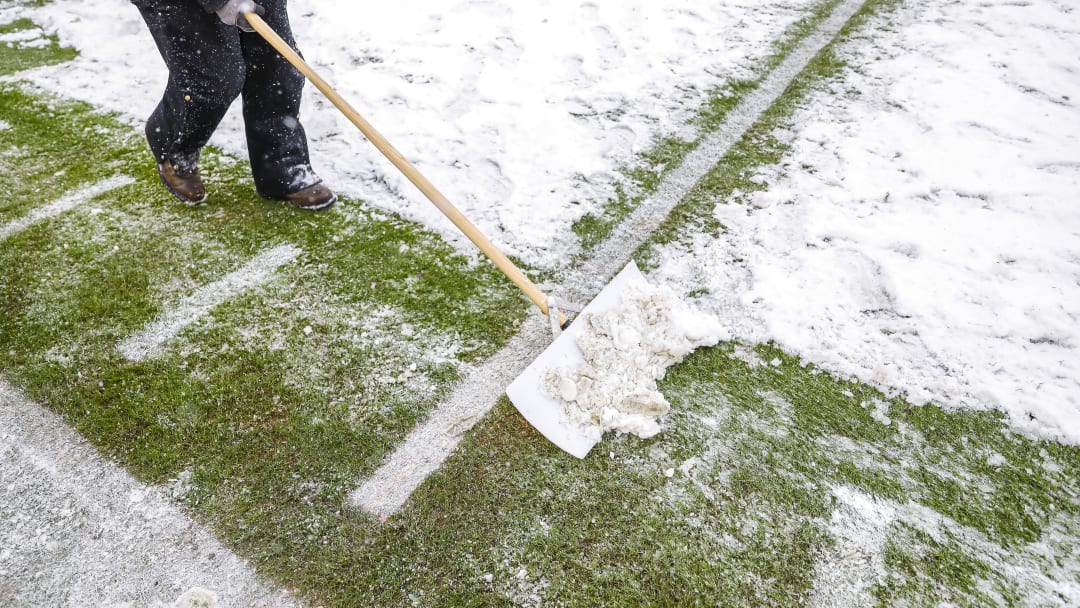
{"points": [[312, 198], [188, 187]]}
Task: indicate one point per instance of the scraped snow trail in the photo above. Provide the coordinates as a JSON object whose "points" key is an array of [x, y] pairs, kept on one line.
{"points": [[431, 442], [923, 233], [520, 112]]}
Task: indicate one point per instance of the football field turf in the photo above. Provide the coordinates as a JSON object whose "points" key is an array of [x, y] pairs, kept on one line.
{"points": [[259, 363]]}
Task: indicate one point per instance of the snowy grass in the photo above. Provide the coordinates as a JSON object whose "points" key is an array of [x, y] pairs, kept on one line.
{"points": [[264, 414], [644, 176], [23, 45], [755, 451], [352, 343], [735, 176]]}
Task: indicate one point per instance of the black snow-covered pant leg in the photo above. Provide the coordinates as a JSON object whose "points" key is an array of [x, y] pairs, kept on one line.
{"points": [[210, 64]]}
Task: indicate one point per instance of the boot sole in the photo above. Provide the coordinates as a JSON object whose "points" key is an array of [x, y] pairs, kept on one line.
{"points": [[319, 207]]}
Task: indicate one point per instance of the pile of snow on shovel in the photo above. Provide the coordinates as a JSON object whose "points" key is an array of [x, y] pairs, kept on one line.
{"points": [[628, 349]]}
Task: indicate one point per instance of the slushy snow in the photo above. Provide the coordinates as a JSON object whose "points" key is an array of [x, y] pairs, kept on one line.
{"points": [[627, 350]]}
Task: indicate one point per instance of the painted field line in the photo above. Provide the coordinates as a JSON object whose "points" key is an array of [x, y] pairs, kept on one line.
{"points": [[192, 308], [66, 203], [76, 530], [428, 446]]}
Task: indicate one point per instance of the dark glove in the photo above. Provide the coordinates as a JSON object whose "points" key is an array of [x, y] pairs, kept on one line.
{"points": [[232, 13]]}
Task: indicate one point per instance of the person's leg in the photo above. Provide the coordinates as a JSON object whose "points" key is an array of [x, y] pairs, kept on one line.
{"points": [[206, 73], [277, 144]]}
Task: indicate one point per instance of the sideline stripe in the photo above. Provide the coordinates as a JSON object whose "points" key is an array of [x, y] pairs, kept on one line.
{"points": [[78, 530], [430, 444], [256, 272], [66, 203]]}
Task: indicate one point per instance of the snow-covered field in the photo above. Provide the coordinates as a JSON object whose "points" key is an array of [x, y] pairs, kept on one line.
{"points": [[932, 243], [924, 234], [520, 113], [921, 234]]}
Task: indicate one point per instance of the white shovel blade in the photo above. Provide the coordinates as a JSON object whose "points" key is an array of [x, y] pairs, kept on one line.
{"points": [[548, 414]]}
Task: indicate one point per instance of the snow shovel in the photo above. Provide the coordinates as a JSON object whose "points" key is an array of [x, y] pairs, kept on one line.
{"points": [[543, 412]]}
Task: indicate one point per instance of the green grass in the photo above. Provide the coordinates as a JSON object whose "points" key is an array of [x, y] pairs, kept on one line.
{"points": [[38, 51], [273, 407]]}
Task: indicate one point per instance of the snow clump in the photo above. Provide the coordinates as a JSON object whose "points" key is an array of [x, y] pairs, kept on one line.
{"points": [[626, 350]]}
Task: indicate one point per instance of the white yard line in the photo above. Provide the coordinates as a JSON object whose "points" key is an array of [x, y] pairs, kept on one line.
{"points": [[66, 203], [76, 530], [428, 446], [258, 271]]}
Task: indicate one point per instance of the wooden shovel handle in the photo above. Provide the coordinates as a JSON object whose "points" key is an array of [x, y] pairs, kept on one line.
{"points": [[449, 210]]}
